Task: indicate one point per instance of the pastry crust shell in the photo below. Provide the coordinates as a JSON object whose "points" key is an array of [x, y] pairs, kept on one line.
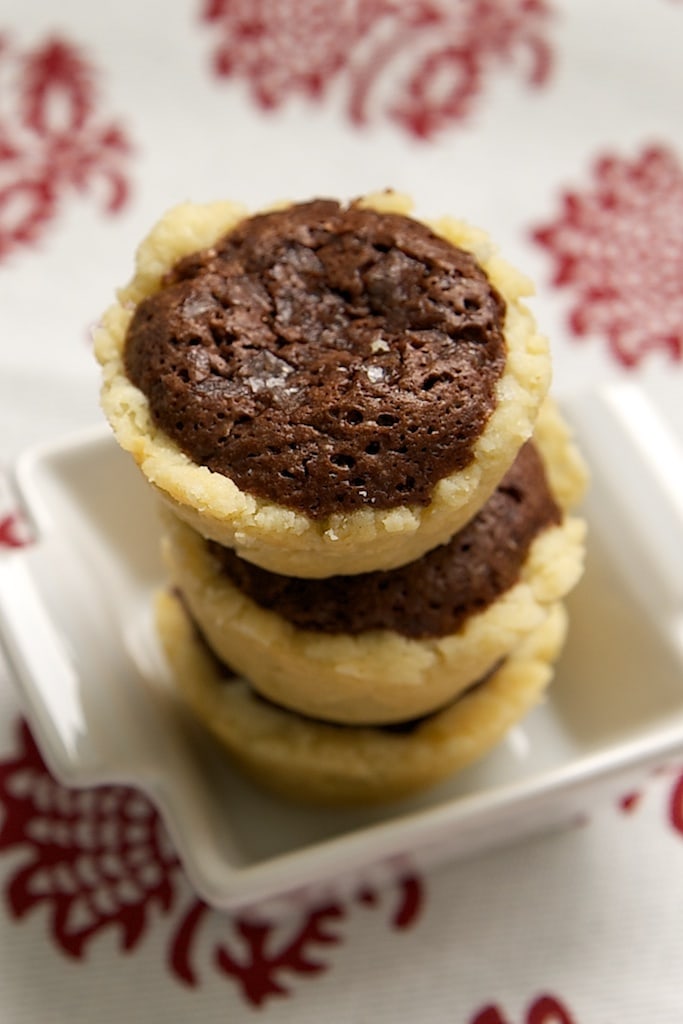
{"points": [[313, 761], [278, 538], [381, 676]]}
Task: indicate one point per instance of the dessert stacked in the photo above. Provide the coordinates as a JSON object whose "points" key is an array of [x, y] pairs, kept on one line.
{"points": [[366, 490]]}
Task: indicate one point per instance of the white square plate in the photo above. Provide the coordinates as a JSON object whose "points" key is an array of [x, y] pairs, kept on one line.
{"points": [[76, 624]]}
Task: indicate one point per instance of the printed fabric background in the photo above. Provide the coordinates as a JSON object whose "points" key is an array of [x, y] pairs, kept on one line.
{"points": [[556, 126]]}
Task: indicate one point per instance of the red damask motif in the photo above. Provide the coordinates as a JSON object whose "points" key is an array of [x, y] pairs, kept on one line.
{"points": [[265, 953], [98, 859], [633, 800], [676, 805], [629, 801], [545, 1009], [423, 63], [14, 532], [618, 246], [52, 139]]}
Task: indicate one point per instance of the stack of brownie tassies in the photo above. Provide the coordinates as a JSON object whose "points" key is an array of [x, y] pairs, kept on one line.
{"points": [[366, 491]]}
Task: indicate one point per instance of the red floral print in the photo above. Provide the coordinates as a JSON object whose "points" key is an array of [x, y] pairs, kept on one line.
{"points": [[99, 859], [676, 805], [629, 801], [422, 62], [618, 247], [265, 953], [51, 140], [633, 800], [545, 1009], [261, 975], [13, 531]]}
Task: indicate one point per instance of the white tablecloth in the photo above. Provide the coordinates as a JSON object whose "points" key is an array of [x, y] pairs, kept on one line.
{"points": [[554, 124]]}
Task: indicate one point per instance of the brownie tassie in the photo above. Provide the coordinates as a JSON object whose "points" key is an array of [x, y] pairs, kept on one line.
{"points": [[310, 760], [385, 646], [325, 389]]}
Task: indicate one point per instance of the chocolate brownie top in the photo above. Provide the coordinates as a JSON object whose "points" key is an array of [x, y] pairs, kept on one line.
{"points": [[432, 596], [324, 358]]}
